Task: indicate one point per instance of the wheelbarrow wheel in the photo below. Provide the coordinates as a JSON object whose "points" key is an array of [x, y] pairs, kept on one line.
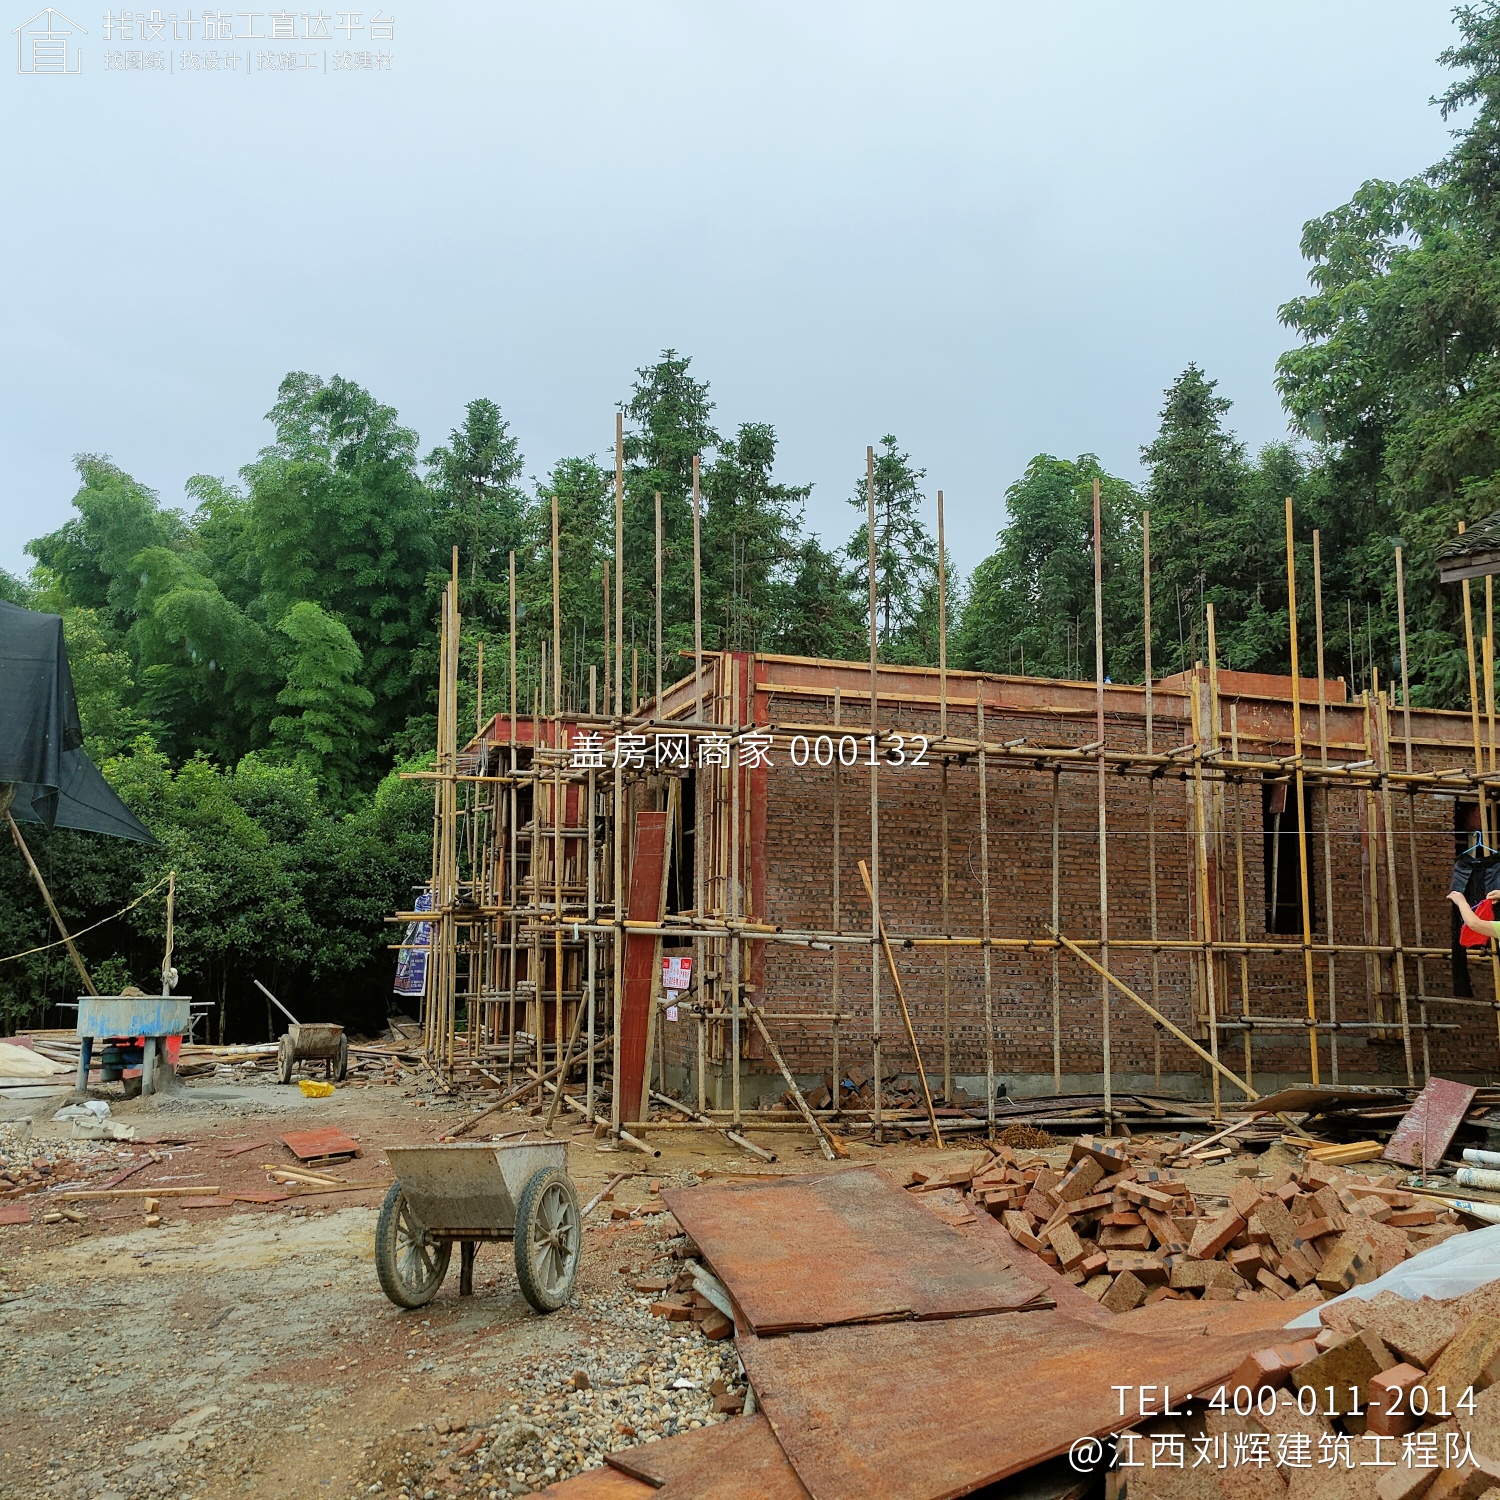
{"points": [[548, 1239], [286, 1058], [410, 1263], [338, 1067]]}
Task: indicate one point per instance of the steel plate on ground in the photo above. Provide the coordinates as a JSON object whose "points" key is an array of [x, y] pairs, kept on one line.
{"points": [[842, 1247], [602, 1483], [1428, 1127], [735, 1460], [929, 1411], [317, 1145]]}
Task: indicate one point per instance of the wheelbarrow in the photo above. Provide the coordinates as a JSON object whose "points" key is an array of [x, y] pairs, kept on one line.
{"points": [[318, 1041], [315, 1041], [478, 1190]]}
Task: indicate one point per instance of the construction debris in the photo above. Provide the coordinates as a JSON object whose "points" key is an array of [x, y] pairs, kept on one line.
{"points": [[1128, 1232]]}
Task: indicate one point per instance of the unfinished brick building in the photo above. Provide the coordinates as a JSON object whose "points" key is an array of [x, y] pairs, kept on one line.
{"points": [[780, 872]]}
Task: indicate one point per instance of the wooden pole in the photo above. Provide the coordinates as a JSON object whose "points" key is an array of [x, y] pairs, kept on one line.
{"points": [[513, 921], [1057, 922], [697, 601], [1239, 872], [1103, 818], [984, 914], [1398, 962], [618, 814], [875, 1039], [942, 572], [1307, 971], [1150, 805], [1411, 821], [657, 713], [41, 885], [838, 905], [1486, 830], [556, 621], [1200, 847], [1152, 1011], [911, 1035], [734, 902], [1328, 904]]}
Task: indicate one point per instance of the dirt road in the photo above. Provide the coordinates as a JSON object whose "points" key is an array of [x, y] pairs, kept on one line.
{"points": [[248, 1350]]}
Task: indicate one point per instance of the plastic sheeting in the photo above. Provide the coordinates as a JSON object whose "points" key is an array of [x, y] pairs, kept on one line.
{"points": [[52, 780], [1458, 1265]]}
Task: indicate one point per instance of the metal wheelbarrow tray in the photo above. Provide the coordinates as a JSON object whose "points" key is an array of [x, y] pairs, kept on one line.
{"points": [[478, 1190]]}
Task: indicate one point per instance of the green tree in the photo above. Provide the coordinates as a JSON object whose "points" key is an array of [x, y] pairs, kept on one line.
{"points": [[1397, 378], [479, 506], [339, 516], [905, 555], [204, 667], [751, 535], [824, 610], [1030, 604], [668, 421], [92, 556], [327, 727]]}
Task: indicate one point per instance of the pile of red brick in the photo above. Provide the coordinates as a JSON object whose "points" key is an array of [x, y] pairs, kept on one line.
{"points": [[1129, 1233], [679, 1301], [1389, 1368]]}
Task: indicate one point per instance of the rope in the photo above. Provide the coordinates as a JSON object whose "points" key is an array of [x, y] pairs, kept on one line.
{"points": [[10, 957]]}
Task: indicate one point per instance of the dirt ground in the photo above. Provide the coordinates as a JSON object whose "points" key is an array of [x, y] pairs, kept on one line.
{"points": [[249, 1350]]}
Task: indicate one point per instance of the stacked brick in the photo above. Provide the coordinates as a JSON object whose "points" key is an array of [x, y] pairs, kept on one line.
{"points": [[1128, 1233]]}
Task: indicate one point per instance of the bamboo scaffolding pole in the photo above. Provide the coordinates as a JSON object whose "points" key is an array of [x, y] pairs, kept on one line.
{"points": [[1486, 822], [1398, 965], [656, 697], [1103, 819], [875, 1038], [1411, 816], [1150, 826], [1200, 850], [1239, 883], [697, 598], [838, 917], [1056, 957], [911, 1035], [617, 805], [1307, 967], [734, 903], [942, 572], [984, 917], [1155, 1014], [1328, 903], [514, 791], [1369, 891]]}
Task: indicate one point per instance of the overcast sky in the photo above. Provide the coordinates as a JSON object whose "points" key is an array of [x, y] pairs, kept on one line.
{"points": [[994, 229]]}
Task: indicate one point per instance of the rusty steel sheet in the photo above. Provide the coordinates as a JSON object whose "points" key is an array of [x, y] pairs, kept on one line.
{"points": [[602, 1483], [319, 1145], [929, 1411], [735, 1460], [842, 1247], [1428, 1127]]}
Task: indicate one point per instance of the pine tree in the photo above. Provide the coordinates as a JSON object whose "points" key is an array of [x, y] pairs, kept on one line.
{"points": [[905, 555]]}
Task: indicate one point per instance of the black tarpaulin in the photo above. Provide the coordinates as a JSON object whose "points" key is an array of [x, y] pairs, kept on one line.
{"points": [[41, 739]]}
